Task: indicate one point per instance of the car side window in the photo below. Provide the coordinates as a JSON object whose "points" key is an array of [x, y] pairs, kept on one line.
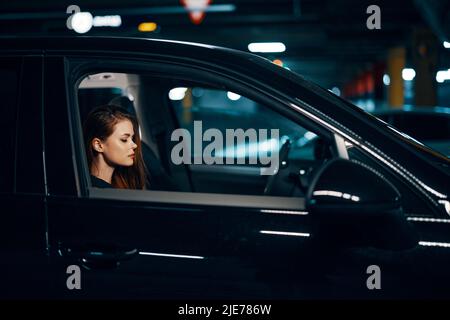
{"points": [[238, 166], [9, 73], [223, 109]]}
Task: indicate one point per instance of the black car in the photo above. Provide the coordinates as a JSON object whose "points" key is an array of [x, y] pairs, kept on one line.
{"points": [[363, 212]]}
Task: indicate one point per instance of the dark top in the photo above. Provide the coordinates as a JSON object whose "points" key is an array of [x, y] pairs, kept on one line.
{"points": [[99, 183]]}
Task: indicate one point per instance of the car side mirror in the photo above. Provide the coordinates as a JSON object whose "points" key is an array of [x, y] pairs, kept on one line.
{"points": [[354, 205]]}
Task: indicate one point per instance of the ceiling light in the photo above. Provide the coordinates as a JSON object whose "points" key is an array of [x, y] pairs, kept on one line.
{"points": [[82, 22], [443, 75], [266, 47], [278, 62], [177, 93], [233, 96], [408, 74], [336, 91], [107, 21], [147, 26]]}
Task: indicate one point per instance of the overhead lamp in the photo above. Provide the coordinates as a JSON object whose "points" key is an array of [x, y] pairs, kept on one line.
{"points": [[107, 21], [336, 91], [147, 26], [278, 62], [177, 93], [443, 75], [233, 96], [266, 47], [82, 22], [408, 74]]}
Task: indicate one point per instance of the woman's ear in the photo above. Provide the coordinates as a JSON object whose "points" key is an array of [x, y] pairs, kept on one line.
{"points": [[97, 145]]}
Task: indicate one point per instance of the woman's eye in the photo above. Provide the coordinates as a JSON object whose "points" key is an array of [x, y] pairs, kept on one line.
{"points": [[123, 140]]}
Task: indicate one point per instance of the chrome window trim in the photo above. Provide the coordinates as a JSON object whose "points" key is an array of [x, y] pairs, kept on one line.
{"points": [[340, 145], [194, 198]]}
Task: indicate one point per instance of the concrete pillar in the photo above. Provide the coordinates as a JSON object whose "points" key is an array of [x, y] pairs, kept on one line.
{"points": [[395, 65]]}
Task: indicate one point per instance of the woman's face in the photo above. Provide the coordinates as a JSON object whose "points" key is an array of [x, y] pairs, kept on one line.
{"points": [[118, 148]]}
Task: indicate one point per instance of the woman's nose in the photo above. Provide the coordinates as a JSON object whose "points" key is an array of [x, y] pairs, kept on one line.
{"points": [[134, 146]]}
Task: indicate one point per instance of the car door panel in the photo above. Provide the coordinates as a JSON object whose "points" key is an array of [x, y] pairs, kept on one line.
{"points": [[187, 251], [223, 179]]}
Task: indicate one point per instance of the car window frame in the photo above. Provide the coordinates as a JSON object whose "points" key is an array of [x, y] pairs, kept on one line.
{"points": [[79, 67]]}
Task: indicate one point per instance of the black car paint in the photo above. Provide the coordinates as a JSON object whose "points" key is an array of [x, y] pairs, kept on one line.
{"points": [[419, 123], [49, 212]]}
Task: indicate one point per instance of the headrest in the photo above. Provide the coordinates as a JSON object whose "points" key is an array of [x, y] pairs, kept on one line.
{"points": [[124, 102]]}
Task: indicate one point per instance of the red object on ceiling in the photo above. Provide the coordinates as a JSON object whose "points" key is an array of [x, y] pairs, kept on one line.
{"points": [[196, 9]]}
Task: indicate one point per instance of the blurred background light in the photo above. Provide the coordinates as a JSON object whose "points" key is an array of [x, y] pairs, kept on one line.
{"points": [[82, 22], [443, 75], [177, 93], [147, 26], [266, 47], [233, 96], [278, 62], [107, 21], [336, 91], [408, 74]]}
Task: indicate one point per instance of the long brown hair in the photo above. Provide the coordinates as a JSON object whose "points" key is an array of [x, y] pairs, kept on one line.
{"points": [[100, 124]]}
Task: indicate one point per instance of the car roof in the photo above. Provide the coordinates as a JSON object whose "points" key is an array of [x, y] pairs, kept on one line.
{"points": [[123, 44]]}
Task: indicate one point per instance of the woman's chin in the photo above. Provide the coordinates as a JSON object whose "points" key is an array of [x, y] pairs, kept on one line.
{"points": [[127, 163]]}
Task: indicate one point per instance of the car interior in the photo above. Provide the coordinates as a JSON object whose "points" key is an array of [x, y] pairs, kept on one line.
{"points": [[163, 104]]}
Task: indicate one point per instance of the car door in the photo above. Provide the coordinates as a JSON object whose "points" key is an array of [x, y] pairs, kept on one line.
{"points": [[158, 244]]}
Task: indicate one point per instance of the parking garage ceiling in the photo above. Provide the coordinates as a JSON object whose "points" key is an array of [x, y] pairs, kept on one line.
{"points": [[327, 41]]}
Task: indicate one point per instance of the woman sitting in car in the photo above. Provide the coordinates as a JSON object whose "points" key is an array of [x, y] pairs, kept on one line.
{"points": [[113, 149]]}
